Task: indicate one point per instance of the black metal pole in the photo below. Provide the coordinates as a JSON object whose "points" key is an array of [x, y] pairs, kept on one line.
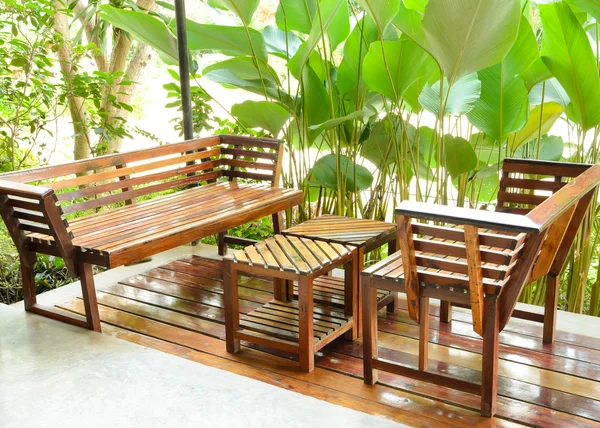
{"points": [[184, 70]]}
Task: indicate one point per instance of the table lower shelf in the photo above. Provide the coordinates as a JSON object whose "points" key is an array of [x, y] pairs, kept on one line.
{"points": [[277, 324]]}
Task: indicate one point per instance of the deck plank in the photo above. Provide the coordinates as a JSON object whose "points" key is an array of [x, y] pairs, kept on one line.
{"points": [[178, 308]]}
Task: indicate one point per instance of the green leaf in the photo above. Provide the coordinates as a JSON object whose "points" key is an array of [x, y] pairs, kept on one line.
{"points": [[484, 185], [261, 114], [590, 6], [280, 43], [244, 9], [324, 173], [409, 23], [537, 73], [488, 150], [316, 130], [391, 67], [340, 27], [316, 99], [461, 98], [416, 4], [503, 106], [381, 11], [466, 36], [328, 11], [567, 53], [379, 147], [296, 15], [411, 95], [231, 41], [553, 92], [551, 148], [546, 114], [459, 157], [428, 141], [350, 79], [523, 53], [244, 68], [145, 28]]}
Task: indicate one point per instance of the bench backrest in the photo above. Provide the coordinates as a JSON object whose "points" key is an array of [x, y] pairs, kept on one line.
{"points": [[126, 177]]}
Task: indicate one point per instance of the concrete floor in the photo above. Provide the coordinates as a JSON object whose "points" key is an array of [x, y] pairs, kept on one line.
{"points": [[53, 374], [56, 375]]}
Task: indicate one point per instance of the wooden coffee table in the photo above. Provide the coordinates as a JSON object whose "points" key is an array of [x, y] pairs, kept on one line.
{"points": [[364, 235], [304, 326]]}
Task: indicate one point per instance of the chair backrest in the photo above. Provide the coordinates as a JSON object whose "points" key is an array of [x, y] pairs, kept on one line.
{"points": [[126, 177]]}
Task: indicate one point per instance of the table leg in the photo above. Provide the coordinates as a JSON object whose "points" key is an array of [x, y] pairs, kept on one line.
{"points": [[305, 315], [232, 311], [445, 311], [394, 304], [360, 266], [369, 311]]}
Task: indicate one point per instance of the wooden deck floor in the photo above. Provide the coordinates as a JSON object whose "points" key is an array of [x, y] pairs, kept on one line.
{"points": [[178, 308]]}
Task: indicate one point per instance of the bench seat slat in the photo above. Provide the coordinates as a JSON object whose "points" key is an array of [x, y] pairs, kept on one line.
{"points": [[186, 215]]}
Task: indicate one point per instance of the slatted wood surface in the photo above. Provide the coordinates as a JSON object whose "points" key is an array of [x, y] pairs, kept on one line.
{"points": [[115, 235], [178, 308], [280, 320], [289, 253], [345, 230]]}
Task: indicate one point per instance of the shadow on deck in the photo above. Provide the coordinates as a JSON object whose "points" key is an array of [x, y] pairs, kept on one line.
{"points": [[178, 308]]}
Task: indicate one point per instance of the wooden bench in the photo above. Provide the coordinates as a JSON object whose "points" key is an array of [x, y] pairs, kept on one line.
{"points": [[482, 260], [116, 209]]}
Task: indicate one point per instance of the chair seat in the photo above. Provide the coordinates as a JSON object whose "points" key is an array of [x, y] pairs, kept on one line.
{"points": [[121, 234]]}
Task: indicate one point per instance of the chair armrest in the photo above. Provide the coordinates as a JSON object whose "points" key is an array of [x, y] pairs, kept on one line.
{"points": [[461, 216], [552, 208]]}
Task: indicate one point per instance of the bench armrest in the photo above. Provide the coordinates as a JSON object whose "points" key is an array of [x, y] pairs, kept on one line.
{"points": [[461, 216], [43, 216]]}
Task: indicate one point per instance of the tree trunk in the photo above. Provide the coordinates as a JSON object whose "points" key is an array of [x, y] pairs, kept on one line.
{"points": [[82, 148]]}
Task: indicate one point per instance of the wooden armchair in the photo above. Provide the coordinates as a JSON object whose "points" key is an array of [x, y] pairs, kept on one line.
{"points": [[482, 260]]}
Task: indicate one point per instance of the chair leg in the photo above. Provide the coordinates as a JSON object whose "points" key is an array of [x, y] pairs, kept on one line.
{"points": [[305, 315], [423, 333], [29, 288], [395, 303], [445, 311], [232, 311], [90, 302], [489, 375], [222, 247], [351, 300], [550, 308], [277, 219], [369, 319]]}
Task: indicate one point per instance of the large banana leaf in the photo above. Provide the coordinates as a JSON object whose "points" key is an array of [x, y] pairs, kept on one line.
{"points": [[411, 95], [537, 73], [546, 115], [458, 99], [244, 9], [567, 52], [317, 107], [504, 105], [552, 91], [382, 12], [261, 114], [280, 43], [350, 79], [148, 29], [296, 15], [315, 130], [392, 67], [459, 156], [245, 68], [408, 21], [232, 41], [325, 172], [466, 36], [590, 6], [325, 16]]}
